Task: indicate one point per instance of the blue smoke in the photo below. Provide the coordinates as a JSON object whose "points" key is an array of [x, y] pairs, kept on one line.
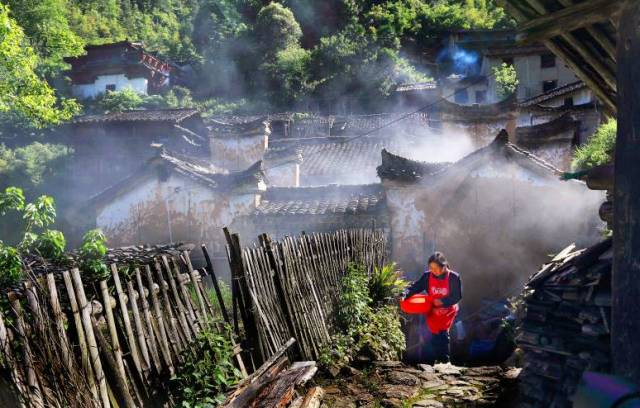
{"points": [[462, 61]]}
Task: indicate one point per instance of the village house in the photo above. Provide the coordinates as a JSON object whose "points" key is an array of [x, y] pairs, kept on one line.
{"points": [[235, 146], [553, 141], [290, 211], [497, 213], [174, 198], [109, 147], [471, 56], [117, 66]]}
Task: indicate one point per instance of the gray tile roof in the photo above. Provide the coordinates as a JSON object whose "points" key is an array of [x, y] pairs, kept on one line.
{"points": [[153, 115], [318, 201]]}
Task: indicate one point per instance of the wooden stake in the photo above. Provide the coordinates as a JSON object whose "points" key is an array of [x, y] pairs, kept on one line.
{"points": [[115, 343], [84, 349], [122, 299], [85, 308]]}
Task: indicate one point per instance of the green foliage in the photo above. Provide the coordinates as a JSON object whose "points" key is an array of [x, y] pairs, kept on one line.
{"points": [[506, 78], [288, 76], [386, 284], [40, 213], [276, 28], [599, 149], [51, 244], [353, 305], [10, 266], [92, 252], [11, 199], [46, 26], [366, 327], [33, 165], [225, 290], [207, 371], [118, 101], [25, 98]]}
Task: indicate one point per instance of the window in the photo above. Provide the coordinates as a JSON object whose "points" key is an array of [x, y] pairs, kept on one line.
{"points": [[462, 96], [547, 61], [481, 96], [110, 88], [507, 60], [549, 85]]}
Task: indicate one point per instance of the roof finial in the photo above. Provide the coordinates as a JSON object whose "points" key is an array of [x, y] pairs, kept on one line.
{"points": [[502, 138]]}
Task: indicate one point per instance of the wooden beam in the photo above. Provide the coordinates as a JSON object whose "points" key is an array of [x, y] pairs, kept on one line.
{"points": [[598, 34], [600, 92], [605, 73], [625, 325], [570, 18]]}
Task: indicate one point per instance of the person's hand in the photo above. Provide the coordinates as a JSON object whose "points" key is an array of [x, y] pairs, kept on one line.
{"points": [[437, 302]]}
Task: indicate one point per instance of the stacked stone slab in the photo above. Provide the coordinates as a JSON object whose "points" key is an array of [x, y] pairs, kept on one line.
{"points": [[564, 326]]}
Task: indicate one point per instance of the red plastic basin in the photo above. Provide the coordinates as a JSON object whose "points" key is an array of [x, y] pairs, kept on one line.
{"points": [[416, 304]]}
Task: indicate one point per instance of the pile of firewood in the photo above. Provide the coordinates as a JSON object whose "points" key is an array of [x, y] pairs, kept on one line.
{"points": [[564, 324], [276, 384]]}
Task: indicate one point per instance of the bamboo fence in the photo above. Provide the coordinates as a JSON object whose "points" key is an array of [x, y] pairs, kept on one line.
{"points": [[290, 288], [68, 342]]}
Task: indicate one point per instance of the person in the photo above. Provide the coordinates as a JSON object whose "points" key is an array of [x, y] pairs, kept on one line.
{"points": [[445, 288]]}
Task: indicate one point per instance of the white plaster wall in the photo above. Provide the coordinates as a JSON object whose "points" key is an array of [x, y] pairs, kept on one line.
{"points": [[173, 210], [530, 75], [98, 87]]}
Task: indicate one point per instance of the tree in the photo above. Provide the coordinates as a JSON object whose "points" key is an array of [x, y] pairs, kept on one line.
{"points": [[33, 165], [277, 29], [506, 78], [25, 98], [46, 26], [288, 76]]}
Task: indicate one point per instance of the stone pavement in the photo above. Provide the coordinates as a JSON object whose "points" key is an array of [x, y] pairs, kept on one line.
{"points": [[394, 384]]}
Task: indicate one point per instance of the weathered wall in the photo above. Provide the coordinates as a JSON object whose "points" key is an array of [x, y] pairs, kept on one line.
{"points": [[559, 154], [174, 210], [237, 153], [496, 226], [283, 175]]}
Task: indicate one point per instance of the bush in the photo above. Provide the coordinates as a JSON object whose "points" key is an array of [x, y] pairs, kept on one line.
{"points": [[353, 305], [365, 327], [51, 244], [10, 267], [386, 284], [92, 252], [599, 149], [207, 372]]}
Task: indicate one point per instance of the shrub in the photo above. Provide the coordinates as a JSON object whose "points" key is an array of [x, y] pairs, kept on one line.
{"points": [[366, 327], [92, 252], [353, 305], [599, 149], [386, 284], [50, 244], [207, 372], [10, 266]]}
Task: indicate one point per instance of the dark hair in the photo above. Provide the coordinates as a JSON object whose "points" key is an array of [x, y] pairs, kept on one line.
{"points": [[438, 258]]}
